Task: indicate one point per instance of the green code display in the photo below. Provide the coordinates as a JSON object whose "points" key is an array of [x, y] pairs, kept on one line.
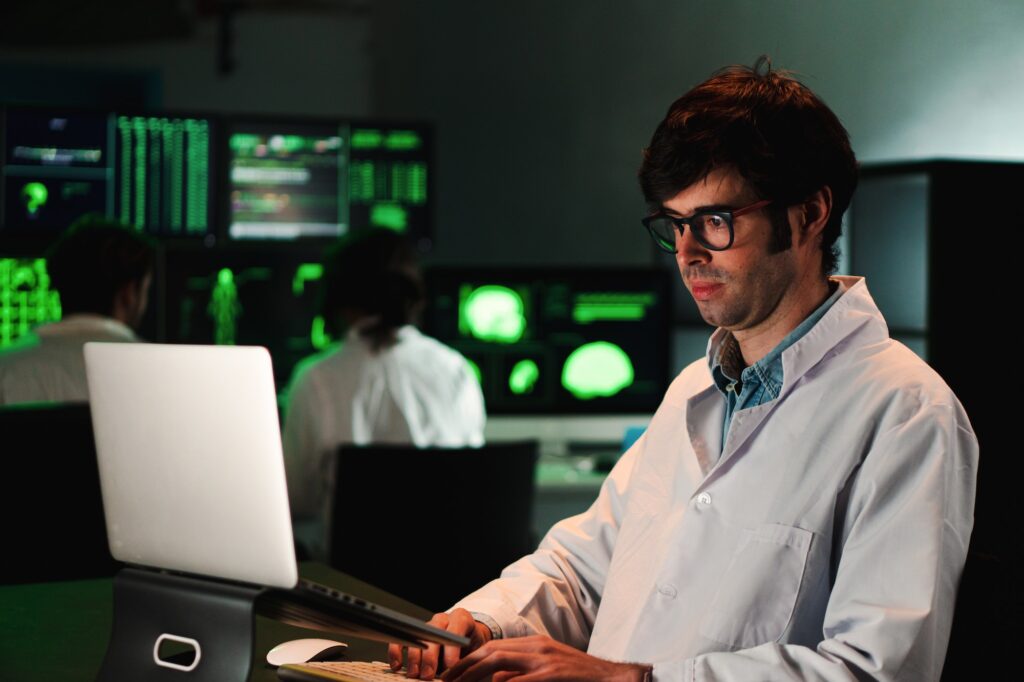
{"points": [[26, 299], [164, 167]]}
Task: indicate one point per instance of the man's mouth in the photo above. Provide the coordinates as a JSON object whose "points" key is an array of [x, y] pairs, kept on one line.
{"points": [[703, 290]]}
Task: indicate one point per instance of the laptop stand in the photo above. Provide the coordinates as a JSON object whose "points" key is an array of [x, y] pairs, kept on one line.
{"points": [[210, 624]]}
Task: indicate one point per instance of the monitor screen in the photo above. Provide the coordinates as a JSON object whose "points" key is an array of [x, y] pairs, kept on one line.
{"points": [[163, 171], [390, 179], [26, 298], [559, 341], [287, 180], [57, 166], [246, 294]]}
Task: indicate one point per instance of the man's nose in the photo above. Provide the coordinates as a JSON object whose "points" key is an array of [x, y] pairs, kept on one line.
{"points": [[689, 251]]}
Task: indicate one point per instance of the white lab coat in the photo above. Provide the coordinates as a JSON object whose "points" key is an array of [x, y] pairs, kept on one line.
{"points": [[48, 365], [825, 543], [416, 392]]}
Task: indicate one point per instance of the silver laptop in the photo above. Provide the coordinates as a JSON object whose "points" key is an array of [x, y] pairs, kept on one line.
{"points": [[193, 480], [190, 460]]}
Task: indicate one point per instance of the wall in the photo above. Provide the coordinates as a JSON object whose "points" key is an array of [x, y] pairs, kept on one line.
{"points": [[543, 107], [300, 62]]}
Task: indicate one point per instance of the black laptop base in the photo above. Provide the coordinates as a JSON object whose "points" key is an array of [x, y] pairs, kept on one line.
{"points": [[166, 625]]}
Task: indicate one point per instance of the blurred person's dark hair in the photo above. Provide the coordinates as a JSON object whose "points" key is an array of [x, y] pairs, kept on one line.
{"points": [[776, 133], [96, 258], [372, 277]]}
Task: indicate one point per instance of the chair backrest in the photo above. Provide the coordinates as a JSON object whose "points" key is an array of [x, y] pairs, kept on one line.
{"points": [[432, 524], [52, 510]]}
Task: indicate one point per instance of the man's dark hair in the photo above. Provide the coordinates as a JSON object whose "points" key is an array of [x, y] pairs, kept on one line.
{"points": [[94, 259], [376, 274], [772, 130]]}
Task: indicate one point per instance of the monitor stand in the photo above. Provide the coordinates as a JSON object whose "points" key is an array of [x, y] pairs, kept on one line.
{"points": [[166, 625]]}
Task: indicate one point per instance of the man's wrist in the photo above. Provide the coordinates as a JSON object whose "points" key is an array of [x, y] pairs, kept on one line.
{"points": [[639, 672], [646, 673]]}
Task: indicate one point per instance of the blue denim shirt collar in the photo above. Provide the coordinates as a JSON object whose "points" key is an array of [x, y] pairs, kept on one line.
{"points": [[767, 370], [762, 381]]}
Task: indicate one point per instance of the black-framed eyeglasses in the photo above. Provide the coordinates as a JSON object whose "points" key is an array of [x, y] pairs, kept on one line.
{"points": [[712, 229]]}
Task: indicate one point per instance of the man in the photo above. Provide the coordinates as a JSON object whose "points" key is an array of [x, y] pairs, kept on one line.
{"points": [[801, 503], [102, 271]]}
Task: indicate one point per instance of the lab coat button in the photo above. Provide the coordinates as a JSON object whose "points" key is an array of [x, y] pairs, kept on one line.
{"points": [[704, 499], [668, 591]]}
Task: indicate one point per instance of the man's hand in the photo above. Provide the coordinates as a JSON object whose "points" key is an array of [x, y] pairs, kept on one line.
{"points": [[423, 663], [538, 658]]}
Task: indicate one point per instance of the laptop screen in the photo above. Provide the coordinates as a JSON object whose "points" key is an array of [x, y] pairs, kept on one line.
{"points": [[190, 462]]}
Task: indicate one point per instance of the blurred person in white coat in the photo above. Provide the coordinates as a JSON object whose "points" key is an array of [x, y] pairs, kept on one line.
{"points": [[102, 270], [386, 383]]}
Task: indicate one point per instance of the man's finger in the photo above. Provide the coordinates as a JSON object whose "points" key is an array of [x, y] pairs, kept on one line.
{"points": [[412, 664], [395, 656], [428, 661]]}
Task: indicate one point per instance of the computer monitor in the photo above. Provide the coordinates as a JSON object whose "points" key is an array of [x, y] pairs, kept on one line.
{"points": [[390, 179], [152, 171], [57, 166], [287, 180], [26, 297], [559, 341], [245, 294], [164, 177]]}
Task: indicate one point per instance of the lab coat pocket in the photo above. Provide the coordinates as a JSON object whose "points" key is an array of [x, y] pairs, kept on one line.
{"points": [[759, 589]]}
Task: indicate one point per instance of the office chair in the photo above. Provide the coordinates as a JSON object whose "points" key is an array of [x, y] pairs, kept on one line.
{"points": [[431, 525], [53, 526]]}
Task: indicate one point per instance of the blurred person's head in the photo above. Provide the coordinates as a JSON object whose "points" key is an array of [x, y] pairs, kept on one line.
{"points": [[103, 267], [372, 281]]}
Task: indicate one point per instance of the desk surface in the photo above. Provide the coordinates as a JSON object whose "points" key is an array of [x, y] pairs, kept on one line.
{"points": [[59, 631]]}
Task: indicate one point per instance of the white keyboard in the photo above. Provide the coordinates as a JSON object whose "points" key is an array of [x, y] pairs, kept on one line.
{"points": [[341, 671]]}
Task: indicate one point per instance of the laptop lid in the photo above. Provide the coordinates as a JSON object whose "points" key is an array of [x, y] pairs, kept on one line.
{"points": [[190, 460]]}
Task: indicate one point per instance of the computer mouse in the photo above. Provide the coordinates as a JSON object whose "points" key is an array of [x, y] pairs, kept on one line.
{"points": [[305, 650]]}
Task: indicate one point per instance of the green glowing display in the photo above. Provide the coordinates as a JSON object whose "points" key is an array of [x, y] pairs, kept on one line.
{"points": [[48, 155], [492, 313], [475, 368], [34, 194], [164, 173], [307, 272], [597, 370], [248, 144], [402, 140], [390, 216], [365, 138], [397, 182], [318, 335], [26, 299], [611, 306], [244, 143], [224, 308], [523, 377]]}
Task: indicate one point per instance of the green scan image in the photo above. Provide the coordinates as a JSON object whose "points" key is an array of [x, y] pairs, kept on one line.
{"points": [[26, 299], [224, 308], [34, 194], [523, 377], [318, 335], [476, 371], [493, 313], [389, 216], [597, 370]]}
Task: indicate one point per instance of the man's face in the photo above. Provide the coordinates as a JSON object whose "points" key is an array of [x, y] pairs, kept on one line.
{"points": [[739, 288]]}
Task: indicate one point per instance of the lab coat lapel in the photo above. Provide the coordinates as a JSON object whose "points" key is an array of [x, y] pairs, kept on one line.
{"points": [[704, 414]]}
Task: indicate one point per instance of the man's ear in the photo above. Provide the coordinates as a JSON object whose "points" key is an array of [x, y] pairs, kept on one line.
{"points": [[126, 302], [811, 215]]}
